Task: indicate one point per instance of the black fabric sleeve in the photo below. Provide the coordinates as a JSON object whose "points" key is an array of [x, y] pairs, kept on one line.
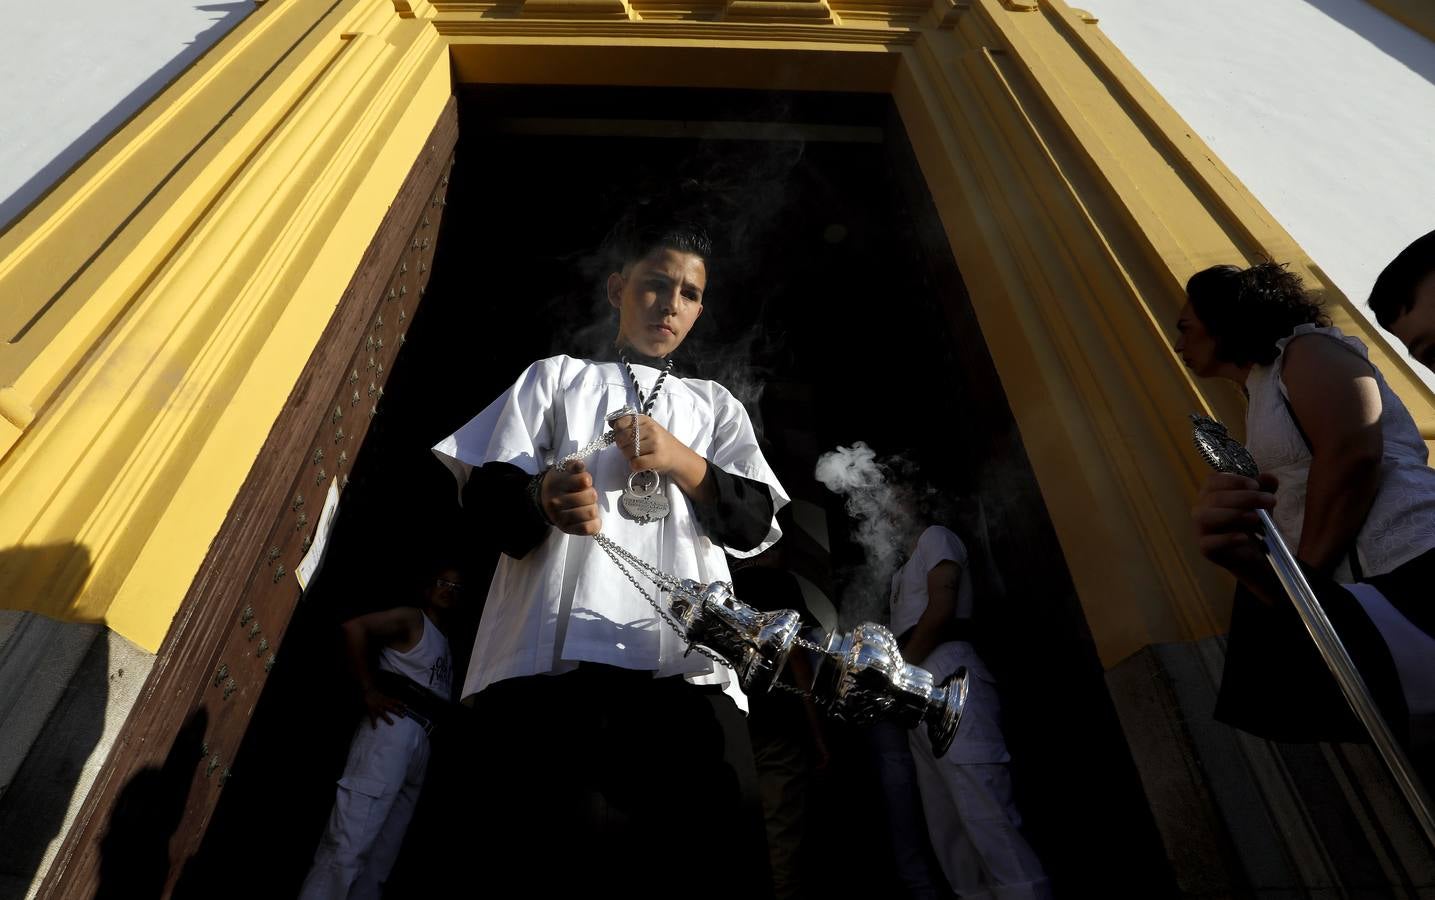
{"points": [[498, 508], [740, 514]]}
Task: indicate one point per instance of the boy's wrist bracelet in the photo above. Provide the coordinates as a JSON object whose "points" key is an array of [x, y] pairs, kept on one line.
{"points": [[535, 493]]}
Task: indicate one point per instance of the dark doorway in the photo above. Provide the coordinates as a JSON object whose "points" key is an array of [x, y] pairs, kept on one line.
{"points": [[836, 311]]}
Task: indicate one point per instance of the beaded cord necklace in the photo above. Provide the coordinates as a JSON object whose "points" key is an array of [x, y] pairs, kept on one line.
{"points": [[642, 499]]}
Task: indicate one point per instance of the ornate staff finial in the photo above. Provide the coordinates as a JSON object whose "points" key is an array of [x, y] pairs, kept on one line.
{"points": [[1221, 451]]}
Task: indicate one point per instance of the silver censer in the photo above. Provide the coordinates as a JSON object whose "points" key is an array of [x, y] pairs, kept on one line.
{"points": [[756, 644], [860, 677]]}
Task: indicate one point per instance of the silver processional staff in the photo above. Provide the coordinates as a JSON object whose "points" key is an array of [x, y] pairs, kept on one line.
{"points": [[1227, 455]]}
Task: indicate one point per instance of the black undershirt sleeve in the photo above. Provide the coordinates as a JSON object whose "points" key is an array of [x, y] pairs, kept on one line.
{"points": [[498, 507], [741, 511]]}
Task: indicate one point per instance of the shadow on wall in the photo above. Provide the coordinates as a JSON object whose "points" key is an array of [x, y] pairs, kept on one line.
{"points": [[1410, 48], [53, 694], [225, 17], [134, 853]]}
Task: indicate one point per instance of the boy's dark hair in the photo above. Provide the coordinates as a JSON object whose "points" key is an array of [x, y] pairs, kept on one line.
{"points": [[1247, 310], [1394, 292], [671, 220]]}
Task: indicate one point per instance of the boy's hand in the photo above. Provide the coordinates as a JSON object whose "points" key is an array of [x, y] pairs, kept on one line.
{"points": [[379, 705], [657, 449], [569, 500]]}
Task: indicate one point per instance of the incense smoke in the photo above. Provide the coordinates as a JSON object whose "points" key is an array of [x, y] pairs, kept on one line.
{"points": [[881, 511]]}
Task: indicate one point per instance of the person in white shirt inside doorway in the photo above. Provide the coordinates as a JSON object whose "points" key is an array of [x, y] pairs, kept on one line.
{"points": [[619, 759], [966, 793], [404, 695]]}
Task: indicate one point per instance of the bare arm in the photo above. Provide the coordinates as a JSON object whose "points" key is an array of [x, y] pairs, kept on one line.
{"points": [[1337, 400], [935, 625], [363, 636]]}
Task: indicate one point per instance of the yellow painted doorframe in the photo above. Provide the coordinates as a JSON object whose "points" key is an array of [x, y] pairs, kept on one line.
{"points": [[173, 285]]}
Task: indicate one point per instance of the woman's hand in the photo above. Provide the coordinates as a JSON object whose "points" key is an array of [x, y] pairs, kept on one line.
{"points": [[1227, 522], [1228, 528]]}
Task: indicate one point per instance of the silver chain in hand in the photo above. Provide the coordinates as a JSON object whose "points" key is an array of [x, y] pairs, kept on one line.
{"points": [[665, 582], [662, 580]]}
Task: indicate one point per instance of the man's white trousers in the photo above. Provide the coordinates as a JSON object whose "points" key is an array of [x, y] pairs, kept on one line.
{"points": [[372, 809]]}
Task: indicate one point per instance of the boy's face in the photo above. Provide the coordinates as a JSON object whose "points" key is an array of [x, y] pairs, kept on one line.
{"points": [[658, 299], [1416, 326]]}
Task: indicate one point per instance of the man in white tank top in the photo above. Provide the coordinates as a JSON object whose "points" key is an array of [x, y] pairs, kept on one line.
{"points": [[401, 662]]}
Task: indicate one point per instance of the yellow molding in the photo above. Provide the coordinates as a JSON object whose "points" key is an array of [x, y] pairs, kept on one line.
{"points": [[141, 454], [888, 12], [677, 10], [206, 244], [15, 409], [577, 9], [1056, 309], [550, 55], [1417, 15], [69, 267], [800, 11], [657, 36]]}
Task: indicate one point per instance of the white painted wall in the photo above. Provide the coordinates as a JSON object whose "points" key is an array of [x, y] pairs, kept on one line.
{"points": [[1324, 109], [75, 71]]}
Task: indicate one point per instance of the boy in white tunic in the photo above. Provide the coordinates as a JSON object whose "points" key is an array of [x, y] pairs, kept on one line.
{"points": [[612, 742], [390, 751], [966, 793]]}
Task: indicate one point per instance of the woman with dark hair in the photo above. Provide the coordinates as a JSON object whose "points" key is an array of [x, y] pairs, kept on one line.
{"points": [[1353, 497]]}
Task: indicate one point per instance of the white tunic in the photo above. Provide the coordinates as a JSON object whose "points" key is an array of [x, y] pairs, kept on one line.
{"points": [[566, 601], [979, 738], [1401, 523], [909, 584]]}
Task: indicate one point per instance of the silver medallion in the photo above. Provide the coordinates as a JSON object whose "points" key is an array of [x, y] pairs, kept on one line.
{"points": [[643, 500], [613, 417]]}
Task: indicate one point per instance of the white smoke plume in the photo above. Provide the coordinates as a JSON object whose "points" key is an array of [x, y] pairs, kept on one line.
{"points": [[883, 520]]}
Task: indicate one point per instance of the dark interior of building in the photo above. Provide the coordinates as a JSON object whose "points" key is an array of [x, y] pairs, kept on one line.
{"points": [[836, 312]]}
